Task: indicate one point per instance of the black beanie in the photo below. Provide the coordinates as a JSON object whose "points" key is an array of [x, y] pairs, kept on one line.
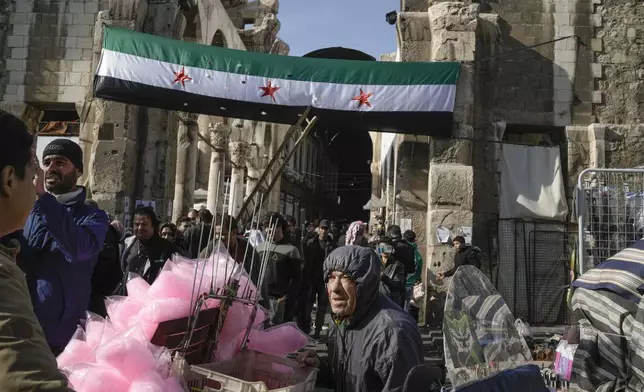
{"points": [[65, 148]]}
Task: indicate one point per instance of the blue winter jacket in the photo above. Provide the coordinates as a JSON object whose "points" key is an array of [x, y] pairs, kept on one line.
{"points": [[60, 248]]}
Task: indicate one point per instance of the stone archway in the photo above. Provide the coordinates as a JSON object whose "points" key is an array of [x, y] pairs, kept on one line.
{"points": [[355, 180], [219, 39]]}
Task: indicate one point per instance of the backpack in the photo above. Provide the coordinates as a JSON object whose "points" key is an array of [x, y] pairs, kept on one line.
{"points": [[473, 256]]}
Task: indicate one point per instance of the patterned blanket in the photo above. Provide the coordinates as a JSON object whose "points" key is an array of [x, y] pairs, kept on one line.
{"points": [[610, 356]]}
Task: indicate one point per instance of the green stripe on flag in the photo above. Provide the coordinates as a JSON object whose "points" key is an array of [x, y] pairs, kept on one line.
{"points": [[279, 67]]}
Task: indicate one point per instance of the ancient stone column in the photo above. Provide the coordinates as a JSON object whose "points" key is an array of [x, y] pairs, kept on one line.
{"points": [[253, 168], [238, 155], [219, 135], [184, 185]]}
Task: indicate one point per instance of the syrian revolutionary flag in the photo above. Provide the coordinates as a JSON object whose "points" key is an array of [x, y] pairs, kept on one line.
{"points": [[158, 72]]}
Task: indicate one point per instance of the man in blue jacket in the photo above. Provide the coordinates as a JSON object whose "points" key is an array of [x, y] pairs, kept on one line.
{"points": [[63, 237]]}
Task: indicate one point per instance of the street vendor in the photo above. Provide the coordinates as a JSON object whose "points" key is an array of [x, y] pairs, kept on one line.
{"points": [[374, 343], [63, 237]]}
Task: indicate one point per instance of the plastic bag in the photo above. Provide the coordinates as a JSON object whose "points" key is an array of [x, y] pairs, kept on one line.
{"points": [[278, 341], [122, 311], [137, 287], [564, 358], [523, 328], [93, 378]]}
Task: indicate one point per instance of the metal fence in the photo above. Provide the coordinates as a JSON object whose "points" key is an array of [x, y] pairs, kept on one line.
{"points": [[531, 268], [610, 213]]}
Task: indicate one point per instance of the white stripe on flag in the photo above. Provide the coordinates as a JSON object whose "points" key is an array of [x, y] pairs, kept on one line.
{"points": [[333, 96]]}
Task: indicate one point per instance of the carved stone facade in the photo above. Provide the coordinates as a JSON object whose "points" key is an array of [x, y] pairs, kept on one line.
{"points": [[49, 50]]}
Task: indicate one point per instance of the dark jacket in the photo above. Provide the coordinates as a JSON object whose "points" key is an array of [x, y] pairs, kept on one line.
{"points": [[392, 283], [376, 349], [59, 252], [146, 260], [107, 273], [405, 255], [26, 363], [468, 255], [315, 252], [196, 240], [283, 275]]}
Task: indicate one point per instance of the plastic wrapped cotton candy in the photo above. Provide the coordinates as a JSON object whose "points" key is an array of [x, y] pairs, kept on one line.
{"points": [[165, 309], [97, 330], [123, 312], [149, 382], [137, 288], [94, 378], [233, 331], [169, 284], [131, 358], [279, 341], [173, 385], [77, 351]]}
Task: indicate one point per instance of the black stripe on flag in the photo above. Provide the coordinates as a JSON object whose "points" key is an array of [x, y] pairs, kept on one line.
{"points": [[437, 124]]}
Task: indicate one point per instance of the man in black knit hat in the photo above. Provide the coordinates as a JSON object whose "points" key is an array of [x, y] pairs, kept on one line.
{"points": [[62, 239]]}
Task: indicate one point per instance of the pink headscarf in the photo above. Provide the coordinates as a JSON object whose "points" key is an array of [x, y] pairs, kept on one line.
{"points": [[355, 229]]}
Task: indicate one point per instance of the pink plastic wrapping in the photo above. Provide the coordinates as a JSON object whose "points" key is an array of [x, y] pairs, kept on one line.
{"points": [[137, 288], [279, 341], [149, 382], [76, 352], [123, 311], [234, 329], [165, 309], [93, 378], [172, 385], [127, 355]]}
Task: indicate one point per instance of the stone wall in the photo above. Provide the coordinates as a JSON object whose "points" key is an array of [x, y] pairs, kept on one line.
{"points": [[50, 43], [619, 62], [536, 85]]}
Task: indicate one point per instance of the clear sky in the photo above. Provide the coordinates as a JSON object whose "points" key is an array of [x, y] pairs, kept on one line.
{"points": [[308, 25]]}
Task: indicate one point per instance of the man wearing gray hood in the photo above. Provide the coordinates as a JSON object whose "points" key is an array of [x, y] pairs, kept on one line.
{"points": [[374, 343]]}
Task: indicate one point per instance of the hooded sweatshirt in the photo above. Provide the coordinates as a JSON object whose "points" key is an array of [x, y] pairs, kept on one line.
{"points": [[375, 349]]}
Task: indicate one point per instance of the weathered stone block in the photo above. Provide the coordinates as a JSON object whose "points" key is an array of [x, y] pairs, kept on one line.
{"points": [[114, 165], [450, 219], [21, 29], [451, 186], [81, 66], [73, 54], [597, 70], [16, 65], [598, 97], [597, 44], [76, 8], [84, 19], [91, 7], [83, 43], [15, 41], [79, 31]]}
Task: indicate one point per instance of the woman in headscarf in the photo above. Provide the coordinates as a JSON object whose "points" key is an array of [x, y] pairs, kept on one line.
{"points": [[355, 235]]}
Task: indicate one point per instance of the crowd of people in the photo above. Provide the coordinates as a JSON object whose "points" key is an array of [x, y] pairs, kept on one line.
{"points": [[61, 255]]}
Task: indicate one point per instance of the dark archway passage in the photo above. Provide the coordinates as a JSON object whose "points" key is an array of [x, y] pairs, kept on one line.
{"points": [[351, 150]]}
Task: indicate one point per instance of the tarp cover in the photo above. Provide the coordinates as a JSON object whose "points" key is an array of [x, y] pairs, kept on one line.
{"points": [[532, 184], [152, 71]]}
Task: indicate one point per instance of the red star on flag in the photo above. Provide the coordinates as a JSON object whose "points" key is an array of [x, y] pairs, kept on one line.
{"points": [[363, 98], [269, 90], [181, 77]]}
